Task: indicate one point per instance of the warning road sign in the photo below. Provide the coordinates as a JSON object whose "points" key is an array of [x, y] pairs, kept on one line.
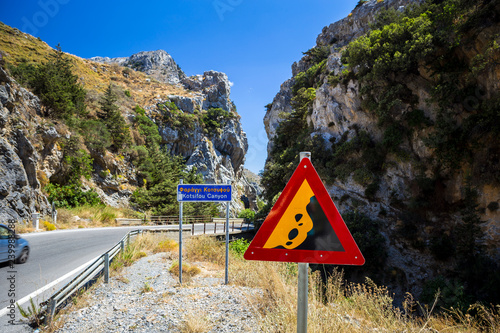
{"points": [[305, 226]]}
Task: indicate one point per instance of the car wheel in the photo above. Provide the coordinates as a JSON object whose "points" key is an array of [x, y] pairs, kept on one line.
{"points": [[24, 256]]}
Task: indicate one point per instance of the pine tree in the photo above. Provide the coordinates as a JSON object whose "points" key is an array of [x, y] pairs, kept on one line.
{"points": [[116, 125], [162, 176], [58, 88], [108, 107], [162, 172]]}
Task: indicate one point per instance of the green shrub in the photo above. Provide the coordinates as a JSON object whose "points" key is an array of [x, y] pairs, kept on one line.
{"points": [[247, 214], [362, 176], [95, 134], [114, 121], [215, 119], [238, 247], [148, 128], [76, 163], [442, 247], [160, 172], [451, 293], [68, 196], [309, 78], [318, 54]]}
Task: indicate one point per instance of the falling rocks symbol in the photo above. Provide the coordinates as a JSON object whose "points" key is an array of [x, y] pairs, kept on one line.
{"points": [[321, 237]]}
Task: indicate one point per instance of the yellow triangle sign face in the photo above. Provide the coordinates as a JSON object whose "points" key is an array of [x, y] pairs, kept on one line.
{"points": [[292, 228], [305, 226]]}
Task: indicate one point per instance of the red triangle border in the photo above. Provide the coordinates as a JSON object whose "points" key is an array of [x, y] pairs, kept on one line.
{"points": [[305, 171]]}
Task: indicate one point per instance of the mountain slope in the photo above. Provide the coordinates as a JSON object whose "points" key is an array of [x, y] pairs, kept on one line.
{"points": [[195, 120]]}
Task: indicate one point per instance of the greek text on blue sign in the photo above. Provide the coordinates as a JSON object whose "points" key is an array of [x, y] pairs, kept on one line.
{"points": [[196, 193]]}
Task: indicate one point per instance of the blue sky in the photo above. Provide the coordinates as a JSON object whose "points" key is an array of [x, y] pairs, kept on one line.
{"points": [[254, 42]]}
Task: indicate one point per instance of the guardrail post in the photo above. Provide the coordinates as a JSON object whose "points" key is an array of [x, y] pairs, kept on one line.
{"points": [[215, 227], [51, 310], [36, 220], [192, 228], [233, 226], [106, 267], [204, 227], [122, 246]]}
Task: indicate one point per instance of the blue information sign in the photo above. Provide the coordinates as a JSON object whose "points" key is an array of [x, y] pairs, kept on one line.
{"points": [[197, 192]]}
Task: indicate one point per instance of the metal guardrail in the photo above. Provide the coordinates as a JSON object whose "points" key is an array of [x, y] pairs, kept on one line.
{"points": [[175, 219], [101, 264]]}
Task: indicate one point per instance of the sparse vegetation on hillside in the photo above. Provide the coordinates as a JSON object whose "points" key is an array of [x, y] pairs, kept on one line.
{"points": [[215, 119], [86, 99], [56, 85]]}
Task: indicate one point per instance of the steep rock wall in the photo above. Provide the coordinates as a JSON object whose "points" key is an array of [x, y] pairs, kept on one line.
{"points": [[338, 112], [20, 193]]}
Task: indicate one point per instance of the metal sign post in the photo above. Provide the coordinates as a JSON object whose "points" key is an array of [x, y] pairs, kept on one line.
{"points": [[227, 240], [303, 284], [180, 238]]}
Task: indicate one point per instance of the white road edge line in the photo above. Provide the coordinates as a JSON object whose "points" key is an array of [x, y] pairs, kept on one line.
{"points": [[48, 286]]}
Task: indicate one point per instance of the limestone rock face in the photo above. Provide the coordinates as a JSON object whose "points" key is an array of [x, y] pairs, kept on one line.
{"points": [[20, 193], [281, 104], [218, 157], [158, 64], [214, 86], [337, 112]]}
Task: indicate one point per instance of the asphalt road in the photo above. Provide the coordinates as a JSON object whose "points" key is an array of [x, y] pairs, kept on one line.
{"points": [[57, 253]]}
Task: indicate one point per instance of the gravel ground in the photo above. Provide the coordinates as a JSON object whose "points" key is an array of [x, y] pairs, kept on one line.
{"points": [[204, 304]]}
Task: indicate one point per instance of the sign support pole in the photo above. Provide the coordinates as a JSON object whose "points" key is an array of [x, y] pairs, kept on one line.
{"points": [[180, 237], [227, 239], [303, 284]]}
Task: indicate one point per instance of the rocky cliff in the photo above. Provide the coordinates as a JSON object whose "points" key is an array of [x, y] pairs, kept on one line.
{"points": [[20, 192], [218, 156], [418, 200], [157, 64], [34, 146]]}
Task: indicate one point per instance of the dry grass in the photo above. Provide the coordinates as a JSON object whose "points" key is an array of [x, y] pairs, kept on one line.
{"points": [[188, 271], [168, 245], [138, 248], [337, 306], [23, 228], [204, 248], [82, 300], [91, 216], [146, 288], [196, 323]]}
